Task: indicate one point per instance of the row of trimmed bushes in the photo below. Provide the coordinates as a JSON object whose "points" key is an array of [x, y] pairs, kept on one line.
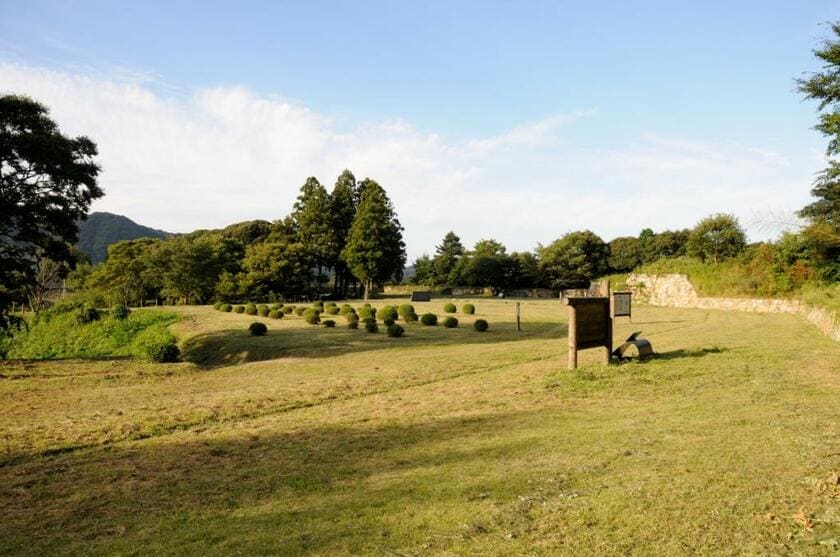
{"points": [[394, 330]]}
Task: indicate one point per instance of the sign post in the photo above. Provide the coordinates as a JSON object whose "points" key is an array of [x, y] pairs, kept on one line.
{"points": [[622, 305], [590, 326], [518, 325]]}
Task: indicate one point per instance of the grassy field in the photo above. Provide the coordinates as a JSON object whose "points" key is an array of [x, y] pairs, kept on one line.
{"points": [[332, 441]]}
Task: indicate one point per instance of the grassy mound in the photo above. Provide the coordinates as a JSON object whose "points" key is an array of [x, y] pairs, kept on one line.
{"points": [[57, 334]]}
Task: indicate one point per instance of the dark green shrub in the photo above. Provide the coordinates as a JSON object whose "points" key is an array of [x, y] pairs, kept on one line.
{"points": [[218, 305], [300, 309], [257, 329], [263, 310], [387, 312], [371, 327], [368, 320], [331, 310], [227, 308], [405, 309], [119, 311], [387, 321], [429, 319], [329, 323], [395, 331], [312, 316], [345, 309], [450, 308], [319, 305], [330, 304], [156, 345], [288, 309], [480, 325], [353, 325], [367, 311], [277, 306], [468, 309], [351, 317], [450, 322], [410, 317], [276, 314], [239, 309], [87, 314], [250, 309]]}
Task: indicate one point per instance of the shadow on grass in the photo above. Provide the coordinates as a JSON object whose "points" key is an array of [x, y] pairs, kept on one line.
{"points": [[312, 489], [234, 346], [688, 353]]}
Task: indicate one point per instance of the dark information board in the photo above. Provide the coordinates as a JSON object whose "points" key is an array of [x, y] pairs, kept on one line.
{"points": [[590, 326], [622, 304]]}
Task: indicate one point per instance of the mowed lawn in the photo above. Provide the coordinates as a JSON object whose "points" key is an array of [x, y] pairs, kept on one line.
{"points": [[448, 441]]}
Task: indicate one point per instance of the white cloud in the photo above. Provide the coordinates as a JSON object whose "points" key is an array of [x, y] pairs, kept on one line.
{"points": [[217, 156]]}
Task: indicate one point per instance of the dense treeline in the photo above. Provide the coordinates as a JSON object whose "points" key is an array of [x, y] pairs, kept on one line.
{"points": [[351, 235]]}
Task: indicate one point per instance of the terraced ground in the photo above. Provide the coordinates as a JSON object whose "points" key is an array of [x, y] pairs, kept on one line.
{"points": [[333, 441]]}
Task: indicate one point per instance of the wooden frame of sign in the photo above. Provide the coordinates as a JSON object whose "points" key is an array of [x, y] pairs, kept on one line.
{"points": [[622, 305], [590, 326]]}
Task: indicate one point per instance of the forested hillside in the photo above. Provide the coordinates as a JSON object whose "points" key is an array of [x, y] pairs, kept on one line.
{"points": [[100, 230]]}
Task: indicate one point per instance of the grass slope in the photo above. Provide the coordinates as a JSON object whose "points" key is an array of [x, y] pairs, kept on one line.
{"points": [[318, 441]]}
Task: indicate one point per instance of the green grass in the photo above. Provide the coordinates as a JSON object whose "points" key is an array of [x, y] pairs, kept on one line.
{"points": [[329, 441], [55, 334]]}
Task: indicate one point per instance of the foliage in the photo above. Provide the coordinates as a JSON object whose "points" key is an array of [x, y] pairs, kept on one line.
{"points": [[87, 314], [250, 309], [367, 311], [388, 312], [480, 325], [387, 321], [263, 310], [300, 309], [239, 309], [429, 319], [450, 322], [227, 308], [100, 230], [405, 309], [353, 324], [410, 317], [625, 254], [120, 311], [395, 331], [257, 329], [47, 183], [276, 314], [351, 317], [717, 237], [276, 268], [288, 309], [332, 310], [447, 255], [329, 323], [312, 316], [375, 251], [468, 309], [573, 260], [156, 344], [450, 308], [371, 326], [424, 271]]}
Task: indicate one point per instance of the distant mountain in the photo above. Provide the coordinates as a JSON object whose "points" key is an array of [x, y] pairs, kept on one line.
{"points": [[100, 230]]}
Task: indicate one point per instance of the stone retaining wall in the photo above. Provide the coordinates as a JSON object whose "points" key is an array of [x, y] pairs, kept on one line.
{"points": [[677, 291]]}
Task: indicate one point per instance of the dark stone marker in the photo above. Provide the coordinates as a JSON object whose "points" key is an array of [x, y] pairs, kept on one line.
{"points": [[421, 296]]}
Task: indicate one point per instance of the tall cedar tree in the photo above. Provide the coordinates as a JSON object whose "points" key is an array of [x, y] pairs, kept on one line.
{"points": [[375, 250], [343, 204], [314, 225], [47, 183], [447, 255]]}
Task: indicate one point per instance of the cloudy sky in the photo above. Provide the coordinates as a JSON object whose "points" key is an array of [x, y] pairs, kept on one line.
{"points": [[514, 120]]}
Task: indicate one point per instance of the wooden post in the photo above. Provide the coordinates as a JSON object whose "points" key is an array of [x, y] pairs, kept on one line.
{"points": [[518, 322], [572, 339], [608, 348]]}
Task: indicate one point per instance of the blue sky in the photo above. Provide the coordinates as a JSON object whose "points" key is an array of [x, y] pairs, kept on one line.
{"points": [[700, 88]]}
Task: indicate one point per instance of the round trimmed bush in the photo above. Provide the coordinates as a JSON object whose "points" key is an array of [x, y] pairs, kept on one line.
{"points": [[312, 316], [387, 321], [353, 325], [480, 325], [450, 322], [345, 309], [329, 323], [156, 345], [288, 310], [331, 310], [227, 308], [351, 317], [120, 312], [276, 314], [387, 312], [429, 319], [395, 331], [405, 309], [257, 329], [87, 314], [277, 306], [367, 320], [450, 308], [371, 327], [410, 317], [319, 305], [263, 310], [250, 309], [218, 305], [367, 311], [239, 309], [300, 309], [468, 309]]}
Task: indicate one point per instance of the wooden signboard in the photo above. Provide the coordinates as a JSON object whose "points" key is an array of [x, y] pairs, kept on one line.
{"points": [[621, 304], [421, 296], [590, 326]]}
